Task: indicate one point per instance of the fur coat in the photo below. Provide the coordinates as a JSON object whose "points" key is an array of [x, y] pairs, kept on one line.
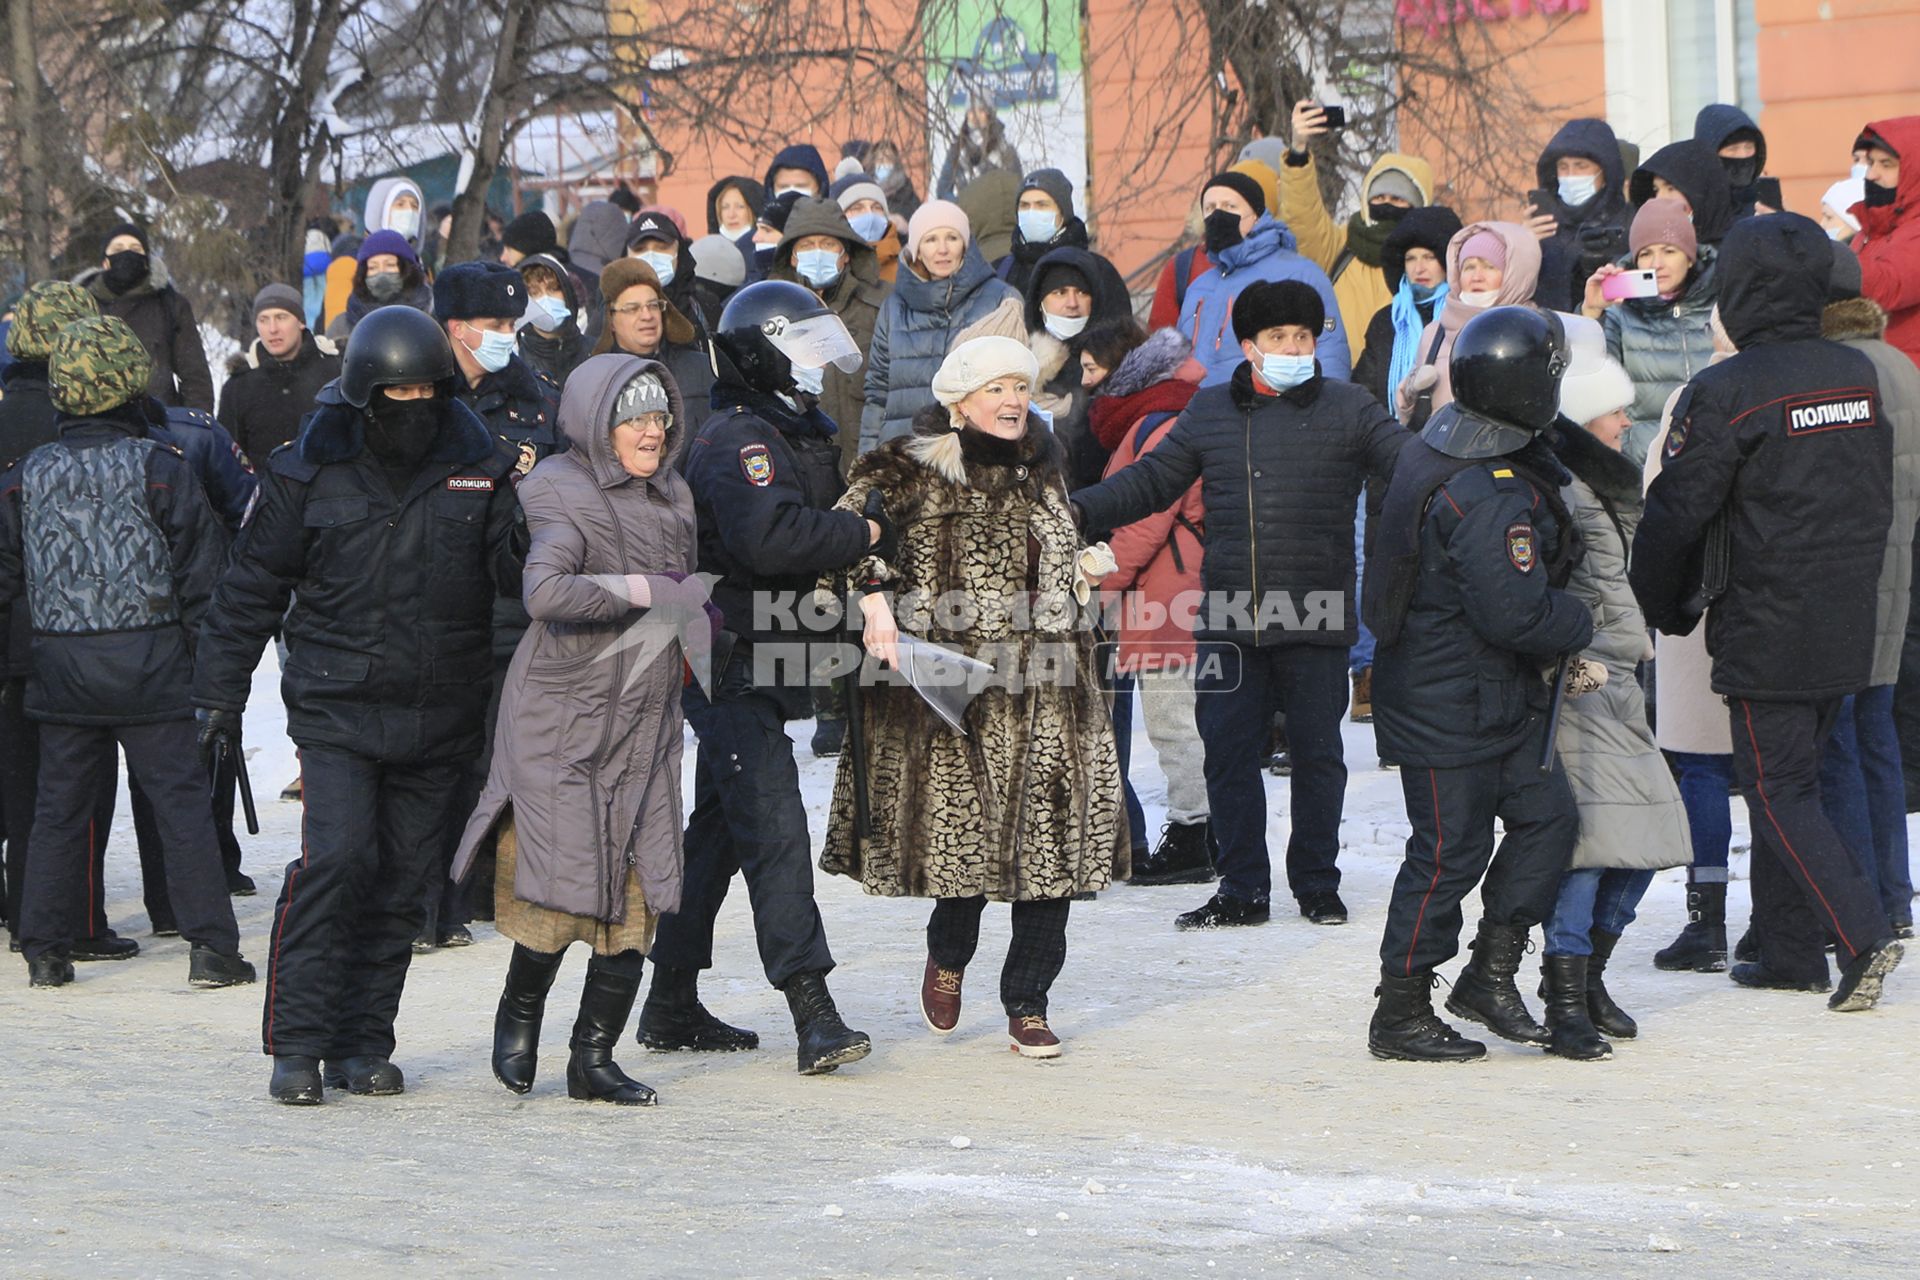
{"points": [[1027, 803]]}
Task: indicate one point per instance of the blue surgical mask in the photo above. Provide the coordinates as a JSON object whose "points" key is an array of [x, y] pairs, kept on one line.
{"points": [[494, 351], [881, 172], [1037, 226], [818, 267], [1576, 191], [808, 380], [1283, 373], [869, 226], [662, 264], [549, 313]]}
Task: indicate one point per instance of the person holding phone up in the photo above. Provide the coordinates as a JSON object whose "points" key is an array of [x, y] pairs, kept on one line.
{"points": [[1657, 330]]}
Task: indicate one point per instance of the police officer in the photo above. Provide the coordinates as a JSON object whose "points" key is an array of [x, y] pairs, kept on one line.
{"points": [[1464, 594], [480, 304], [764, 470], [1789, 434], [390, 525], [109, 545]]}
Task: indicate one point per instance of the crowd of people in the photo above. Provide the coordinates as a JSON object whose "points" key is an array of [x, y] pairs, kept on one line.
{"points": [[1599, 515]]}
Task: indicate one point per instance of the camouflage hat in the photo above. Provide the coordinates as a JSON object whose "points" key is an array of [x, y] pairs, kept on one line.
{"points": [[42, 312], [97, 364]]}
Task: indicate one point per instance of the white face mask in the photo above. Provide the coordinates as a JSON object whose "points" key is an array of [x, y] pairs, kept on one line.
{"points": [[549, 313], [405, 221], [1858, 171], [809, 380], [800, 191], [1479, 297], [1063, 327], [1576, 190], [663, 265]]}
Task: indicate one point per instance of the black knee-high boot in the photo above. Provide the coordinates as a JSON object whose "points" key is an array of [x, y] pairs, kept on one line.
{"points": [[516, 1024], [606, 1002]]}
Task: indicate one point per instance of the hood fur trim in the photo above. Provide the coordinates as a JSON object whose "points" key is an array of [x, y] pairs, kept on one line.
{"points": [[1155, 360], [1853, 318]]}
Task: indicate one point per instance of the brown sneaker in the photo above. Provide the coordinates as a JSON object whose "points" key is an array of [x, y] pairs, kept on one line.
{"points": [[1362, 707], [940, 997], [1032, 1038]]}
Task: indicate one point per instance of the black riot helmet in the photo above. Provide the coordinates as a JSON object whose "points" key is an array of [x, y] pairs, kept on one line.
{"points": [[768, 329], [1505, 367], [394, 346]]}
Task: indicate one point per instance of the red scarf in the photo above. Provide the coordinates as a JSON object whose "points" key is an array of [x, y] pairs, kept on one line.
{"points": [[1111, 416]]}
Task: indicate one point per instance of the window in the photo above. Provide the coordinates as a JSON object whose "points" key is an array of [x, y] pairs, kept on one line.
{"points": [[1711, 57]]}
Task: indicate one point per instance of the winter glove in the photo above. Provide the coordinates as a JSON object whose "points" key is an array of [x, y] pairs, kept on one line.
{"points": [[1089, 567], [218, 730], [888, 545], [1584, 676], [1424, 378]]}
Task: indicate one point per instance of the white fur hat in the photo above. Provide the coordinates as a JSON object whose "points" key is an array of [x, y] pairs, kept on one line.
{"points": [[1594, 390], [973, 364]]}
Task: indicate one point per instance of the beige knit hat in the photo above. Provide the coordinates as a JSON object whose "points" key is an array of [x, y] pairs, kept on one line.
{"points": [[972, 365]]}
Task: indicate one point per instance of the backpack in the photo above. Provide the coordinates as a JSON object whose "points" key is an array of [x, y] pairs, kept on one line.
{"points": [[1183, 274]]}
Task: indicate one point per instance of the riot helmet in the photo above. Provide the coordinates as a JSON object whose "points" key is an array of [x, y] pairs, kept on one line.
{"points": [[769, 329]]}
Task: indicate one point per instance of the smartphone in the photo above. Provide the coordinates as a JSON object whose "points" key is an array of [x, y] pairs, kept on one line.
{"points": [[1336, 117], [1540, 199], [1629, 284], [1767, 192]]}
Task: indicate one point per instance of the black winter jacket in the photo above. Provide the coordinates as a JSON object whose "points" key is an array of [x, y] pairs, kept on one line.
{"points": [[1462, 680], [225, 475], [1788, 439], [1280, 476], [1591, 234], [392, 595], [521, 407], [163, 321], [262, 405], [109, 549]]}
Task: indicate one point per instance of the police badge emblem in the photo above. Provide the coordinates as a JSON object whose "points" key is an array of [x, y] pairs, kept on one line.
{"points": [[756, 463], [1520, 545], [527, 458]]}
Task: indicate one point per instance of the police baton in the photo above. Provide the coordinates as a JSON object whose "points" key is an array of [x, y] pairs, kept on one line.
{"points": [[856, 727], [246, 787], [1553, 711]]}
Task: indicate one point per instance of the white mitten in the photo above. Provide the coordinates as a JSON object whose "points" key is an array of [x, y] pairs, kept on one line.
{"points": [[1093, 564]]}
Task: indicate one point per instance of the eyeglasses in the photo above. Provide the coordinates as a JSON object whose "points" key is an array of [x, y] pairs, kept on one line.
{"points": [[657, 306]]}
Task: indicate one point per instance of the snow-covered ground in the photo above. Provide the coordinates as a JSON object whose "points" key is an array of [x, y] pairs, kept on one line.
{"points": [[1215, 1114]]}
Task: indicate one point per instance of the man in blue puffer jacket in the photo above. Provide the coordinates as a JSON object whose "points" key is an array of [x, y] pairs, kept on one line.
{"points": [[1245, 244]]}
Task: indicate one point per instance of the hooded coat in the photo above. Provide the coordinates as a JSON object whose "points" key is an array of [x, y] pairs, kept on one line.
{"points": [[587, 751], [1696, 172], [756, 197], [803, 155], [1060, 361], [558, 353], [1630, 811], [1662, 344], [1517, 286], [1017, 267], [912, 335], [856, 297], [1351, 254], [1026, 804], [379, 207], [1267, 253], [1590, 234], [1889, 239], [1432, 229], [162, 318], [1720, 123]]}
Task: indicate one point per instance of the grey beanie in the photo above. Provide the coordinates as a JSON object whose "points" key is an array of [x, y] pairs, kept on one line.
{"points": [[279, 297], [643, 394], [1057, 186]]}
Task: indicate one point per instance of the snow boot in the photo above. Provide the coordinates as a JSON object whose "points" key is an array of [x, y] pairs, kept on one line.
{"points": [[826, 1042], [1485, 991], [1406, 1029], [829, 737], [1702, 945], [370, 1075], [296, 1081], [207, 968], [1571, 1030], [1607, 1016], [673, 1017], [516, 1023], [52, 969], [592, 1075], [1185, 856], [1747, 950], [1223, 911], [1861, 980], [108, 946]]}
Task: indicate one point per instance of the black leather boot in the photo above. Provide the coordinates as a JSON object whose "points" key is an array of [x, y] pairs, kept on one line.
{"points": [[1184, 857], [825, 1041], [296, 1081], [1485, 991], [674, 1018], [371, 1075], [592, 1075], [1607, 1016], [516, 1023], [1702, 945], [1571, 1029], [1405, 1028]]}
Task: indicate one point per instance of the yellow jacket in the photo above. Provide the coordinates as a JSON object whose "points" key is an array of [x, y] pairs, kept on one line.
{"points": [[1361, 290]]}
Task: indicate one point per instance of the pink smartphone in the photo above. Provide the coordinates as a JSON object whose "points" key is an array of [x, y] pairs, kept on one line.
{"points": [[1629, 284]]}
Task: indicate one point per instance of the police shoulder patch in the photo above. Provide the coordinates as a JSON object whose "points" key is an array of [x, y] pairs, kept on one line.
{"points": [[1676, 437], [470, 484], [1520, 545], [756, 464]]}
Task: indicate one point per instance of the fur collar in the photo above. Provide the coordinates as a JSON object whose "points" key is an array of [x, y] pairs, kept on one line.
{"points": [[941, 449], [1853, 318], [1606, 471], [1155, 360], [1050, 354], [337, 433], [312, 345]]}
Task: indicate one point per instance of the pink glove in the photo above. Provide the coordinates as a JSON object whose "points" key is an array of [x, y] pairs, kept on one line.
{"points": [[639, 593]]}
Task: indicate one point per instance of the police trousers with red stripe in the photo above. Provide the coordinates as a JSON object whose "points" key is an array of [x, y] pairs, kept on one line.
{"points": [[1451, 848], [1807, 885], [371, 835]]}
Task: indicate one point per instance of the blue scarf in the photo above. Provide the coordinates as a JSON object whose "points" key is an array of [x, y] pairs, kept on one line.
{"points": [[1407, 326]]}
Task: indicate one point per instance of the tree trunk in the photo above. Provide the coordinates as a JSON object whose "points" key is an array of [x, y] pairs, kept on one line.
{"points": [[291, 143], [517, 21], [30, 174]]}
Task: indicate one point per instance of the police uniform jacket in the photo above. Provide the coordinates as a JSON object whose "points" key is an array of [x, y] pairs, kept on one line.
{"points": [[1457, 676], [521, 407], [1789, 441], [392, 594]]}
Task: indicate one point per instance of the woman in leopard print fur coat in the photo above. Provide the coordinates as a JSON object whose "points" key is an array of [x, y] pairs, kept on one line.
{"points": [[1025, 805]]}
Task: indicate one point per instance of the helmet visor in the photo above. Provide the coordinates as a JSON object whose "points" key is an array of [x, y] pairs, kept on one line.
{"points": [[814, 343]]}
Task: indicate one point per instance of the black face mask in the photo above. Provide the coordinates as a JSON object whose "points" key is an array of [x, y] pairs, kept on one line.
{"points": [[1879, 197], [1386, 211], [400, 433], [1222, 231], [125, 269], [1742, 172]]}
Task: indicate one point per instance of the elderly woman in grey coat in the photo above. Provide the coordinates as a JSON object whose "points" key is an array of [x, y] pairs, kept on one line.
{"points": [[584, 792], [1632, 822]]}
